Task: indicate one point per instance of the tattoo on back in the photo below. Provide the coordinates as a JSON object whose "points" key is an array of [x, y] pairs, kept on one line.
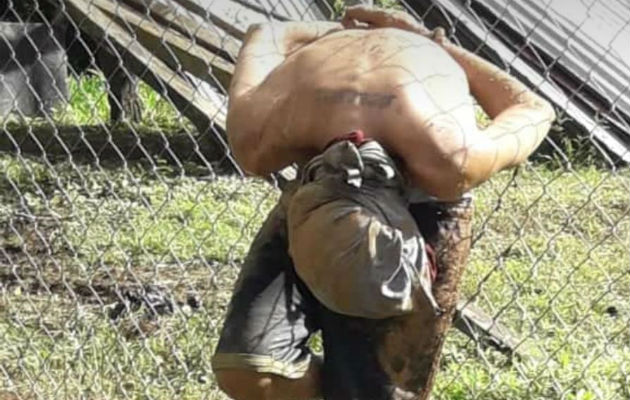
{"points": [[349, 96]]}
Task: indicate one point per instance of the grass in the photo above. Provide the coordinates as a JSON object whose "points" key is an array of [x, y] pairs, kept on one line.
{"points": [[550, 262], [102, 229], [87, 105]]}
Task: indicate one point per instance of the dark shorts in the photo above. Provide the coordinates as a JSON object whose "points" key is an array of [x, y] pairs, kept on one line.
{"points": [[273, 314]]}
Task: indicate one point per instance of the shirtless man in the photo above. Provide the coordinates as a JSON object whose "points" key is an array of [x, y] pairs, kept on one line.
{"points": [[300, 86]]}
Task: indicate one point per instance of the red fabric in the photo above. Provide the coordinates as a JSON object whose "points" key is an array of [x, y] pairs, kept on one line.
{"points": [[433, 269], [357, 137]]}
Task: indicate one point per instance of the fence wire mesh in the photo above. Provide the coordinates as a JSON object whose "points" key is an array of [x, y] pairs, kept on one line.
{"points": [[123, 219]]}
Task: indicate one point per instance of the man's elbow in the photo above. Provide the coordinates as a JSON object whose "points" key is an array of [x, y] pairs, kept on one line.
{"points": [[243, 148], [253, 157], [550, 111], [272, 30], [247, 157], [478, 163], [244, 141], [547, 111], [543, 108], [475, 177], [256, 29]]}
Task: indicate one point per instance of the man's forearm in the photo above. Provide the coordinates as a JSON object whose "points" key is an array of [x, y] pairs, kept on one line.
{"points": [[299, 34], [520, 118], [287, 37], [494, 89], [517, 132]]}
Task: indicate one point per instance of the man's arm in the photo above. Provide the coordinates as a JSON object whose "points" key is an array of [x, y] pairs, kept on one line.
{"points": [[521, 118]]}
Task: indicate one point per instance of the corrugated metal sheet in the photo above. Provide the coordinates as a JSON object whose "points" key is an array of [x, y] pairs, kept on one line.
{"points": [[574, 52], [590, 38]]}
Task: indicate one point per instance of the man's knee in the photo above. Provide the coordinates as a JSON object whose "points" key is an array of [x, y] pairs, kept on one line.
{"points": [[244, 384]]}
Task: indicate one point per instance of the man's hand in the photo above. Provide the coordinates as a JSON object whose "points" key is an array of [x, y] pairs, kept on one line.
{"points": [[371, 17]]}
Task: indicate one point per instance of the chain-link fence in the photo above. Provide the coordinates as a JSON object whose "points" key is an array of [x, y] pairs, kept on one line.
{"points": [[123, 219]]}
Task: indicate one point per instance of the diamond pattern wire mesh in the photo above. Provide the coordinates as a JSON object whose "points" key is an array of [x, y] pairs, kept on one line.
{"points": [[122, 228]]}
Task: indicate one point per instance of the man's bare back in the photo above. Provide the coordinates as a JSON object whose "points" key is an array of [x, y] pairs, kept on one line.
{"points": [[397, 86]]}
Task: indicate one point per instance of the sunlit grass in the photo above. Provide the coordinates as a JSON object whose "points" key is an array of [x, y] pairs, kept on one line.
{"points": [[551, 264], [88, 105]]}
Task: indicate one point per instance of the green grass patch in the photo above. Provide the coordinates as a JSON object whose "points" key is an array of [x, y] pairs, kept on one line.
{"points": [[73, 234], [552, 266], [88, 105]]}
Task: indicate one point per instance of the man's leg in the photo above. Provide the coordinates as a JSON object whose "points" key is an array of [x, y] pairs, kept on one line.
{"points": [[397, 358], [351, 369], [411, 350], [245, 384], [262, 352]]}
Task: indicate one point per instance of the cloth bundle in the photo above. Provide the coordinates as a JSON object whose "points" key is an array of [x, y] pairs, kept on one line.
{"points": [[351, 236]]}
